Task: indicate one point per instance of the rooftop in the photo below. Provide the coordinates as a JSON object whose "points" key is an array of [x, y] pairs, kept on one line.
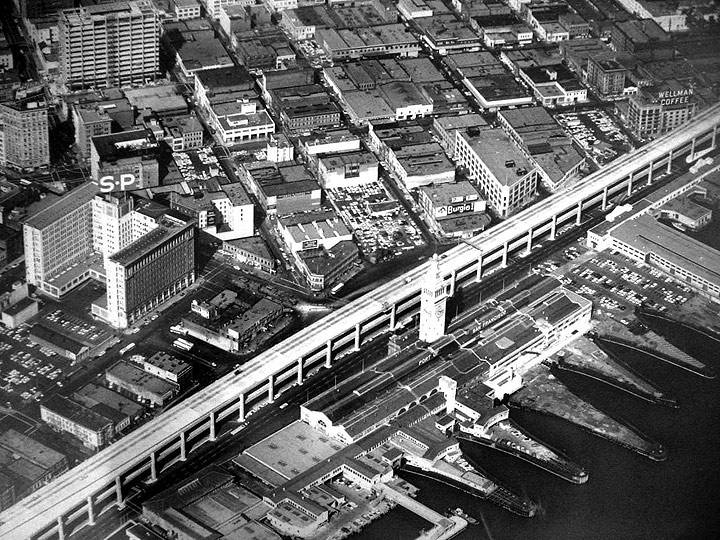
{"points": [[499, 154], [449, 193], [648, 235], [168, 362], [125, 144], [63, 206], [77, 413], [30, 449], [131, 374], [56, 338], [167, 229]]}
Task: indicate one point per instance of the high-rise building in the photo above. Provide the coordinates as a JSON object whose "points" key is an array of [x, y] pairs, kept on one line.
{"points": [[433, 302], [655, 110], [606, 75], [26, 139], [150, 270], [125, 160], [109, 44], [56, 238], [90, 121], [144, 252]]}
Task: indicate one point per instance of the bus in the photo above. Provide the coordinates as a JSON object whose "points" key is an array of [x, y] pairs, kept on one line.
{"points": [[126, 348], [183, 344]]}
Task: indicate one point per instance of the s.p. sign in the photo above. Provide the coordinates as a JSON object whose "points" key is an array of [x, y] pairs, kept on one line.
{"points": [[123, 182]]}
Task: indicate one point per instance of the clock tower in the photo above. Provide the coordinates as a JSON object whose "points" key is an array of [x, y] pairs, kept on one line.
{"points": [[432, 303]]}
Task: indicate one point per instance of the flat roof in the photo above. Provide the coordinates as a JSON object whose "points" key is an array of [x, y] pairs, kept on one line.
{"points": [[77, 413], [61, 341], [463, 121], [124, 144], [131, 374], [294, 449], [63, 206], [30, 449], [451, 192], [166, 361], [495, 149], [168, 229], [650, 236], [253, 244]]}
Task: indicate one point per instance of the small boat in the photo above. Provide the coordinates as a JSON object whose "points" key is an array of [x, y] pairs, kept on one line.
{"points": [[459, 512]]}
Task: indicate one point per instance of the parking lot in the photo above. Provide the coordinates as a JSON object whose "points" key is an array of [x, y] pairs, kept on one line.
{"points": [[382, 226], [314, 54], [618, 285], [597, 133], [27, 370]]}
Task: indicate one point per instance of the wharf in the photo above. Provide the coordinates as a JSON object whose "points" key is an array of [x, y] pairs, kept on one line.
{"points": [[544, 393], [443, 527], [506, 436], [696, 314], [650, 343], [585, 357]]}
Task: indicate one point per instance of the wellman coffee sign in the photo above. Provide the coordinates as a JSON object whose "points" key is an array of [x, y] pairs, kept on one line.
{"points": [[674, 97]]}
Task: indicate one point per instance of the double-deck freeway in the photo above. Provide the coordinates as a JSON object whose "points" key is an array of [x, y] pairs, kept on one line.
{"points": [[79, 495]]}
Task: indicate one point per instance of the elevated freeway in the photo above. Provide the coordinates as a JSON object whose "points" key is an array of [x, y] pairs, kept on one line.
{"points": [[76, 498]]}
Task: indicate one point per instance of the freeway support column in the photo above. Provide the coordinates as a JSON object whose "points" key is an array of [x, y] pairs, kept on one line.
{"points": [[692, 150], [713, 137], [578, 216], [153, 467], [119, 492], [669, 163], [61, 528], [212, 426], [271, 388], [479, 274], [328, 354], [241, 408], [393, 315], [650, 172], [91, 511], [528, 248], [630, 184], [553, 227], [357, 336], [505, 255], [300, 371], [183, 446], [604, 199]]}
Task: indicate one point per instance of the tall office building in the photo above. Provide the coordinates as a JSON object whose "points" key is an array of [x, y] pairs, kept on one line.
{"points": [[58, 237], [26, 136], [150, 270], [109, 44], [144, 252]]}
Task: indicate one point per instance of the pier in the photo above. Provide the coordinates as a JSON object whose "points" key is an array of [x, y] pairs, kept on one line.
{"points": [[660, 349], [532, 451], [443, 527], [545, 394], [588, 359]]}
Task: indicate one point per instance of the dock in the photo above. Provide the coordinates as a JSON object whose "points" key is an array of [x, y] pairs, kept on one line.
{"points": [[443, 527], [544, 393], [509, 438], [587, 358]]}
